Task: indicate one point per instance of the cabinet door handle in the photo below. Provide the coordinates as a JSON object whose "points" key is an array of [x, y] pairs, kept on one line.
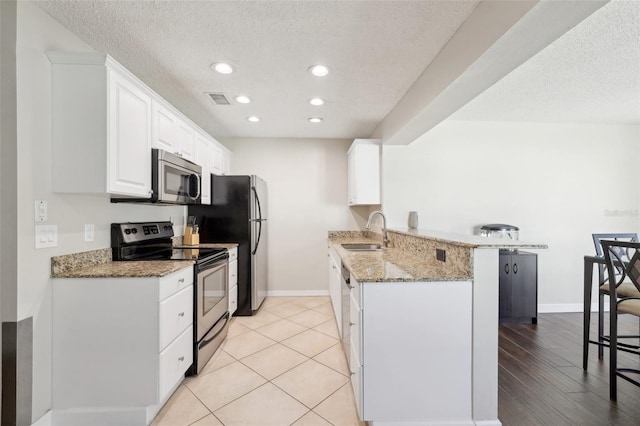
{"points": [[506, 268], [181, 280], [515, 268], [181, 314], [181, 359], [352, 324]]}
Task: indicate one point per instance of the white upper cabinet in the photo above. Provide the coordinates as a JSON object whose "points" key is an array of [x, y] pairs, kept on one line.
{"points": [[171, 133], [105, 122], [129, 139], [216, 160], [163, 129], [186, 140], [226, 162], [363, 163], [203, 157], [101, 127]]}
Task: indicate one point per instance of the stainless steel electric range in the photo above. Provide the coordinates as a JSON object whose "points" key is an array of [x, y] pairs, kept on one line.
{"points": [[153, 241]]}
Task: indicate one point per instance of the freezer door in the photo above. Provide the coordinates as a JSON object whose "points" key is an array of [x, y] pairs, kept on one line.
{"points": [[259, 241]]}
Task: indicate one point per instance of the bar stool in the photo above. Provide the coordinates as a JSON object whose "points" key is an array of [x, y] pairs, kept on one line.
{"points": [[625, 288], [623, 263]]}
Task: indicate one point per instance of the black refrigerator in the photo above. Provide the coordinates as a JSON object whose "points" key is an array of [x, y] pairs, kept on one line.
{"points": [[238, 214]]}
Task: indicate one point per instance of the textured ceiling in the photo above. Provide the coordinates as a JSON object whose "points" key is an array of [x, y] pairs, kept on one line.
{"points": [[376, 50], [591, 74]]}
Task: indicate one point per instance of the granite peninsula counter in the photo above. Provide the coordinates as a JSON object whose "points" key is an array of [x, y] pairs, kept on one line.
{"points": [[421, 334]]}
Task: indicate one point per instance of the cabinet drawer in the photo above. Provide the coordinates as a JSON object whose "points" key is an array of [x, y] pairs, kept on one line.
{"points": [[175, 360], [233, 273], [233, 299], [176, 314], [175, 282], [233, 254]]}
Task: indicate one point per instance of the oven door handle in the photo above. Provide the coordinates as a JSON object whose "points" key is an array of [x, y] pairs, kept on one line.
{"points": [[226, 320]]}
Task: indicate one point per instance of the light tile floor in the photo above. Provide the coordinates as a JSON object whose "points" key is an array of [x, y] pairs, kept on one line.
{"points": [[283, 366]]}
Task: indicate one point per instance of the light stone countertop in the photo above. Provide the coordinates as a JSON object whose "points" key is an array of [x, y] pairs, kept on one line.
{"points": [[392, 264], [474, 241], [411, 256], [132, 269]]}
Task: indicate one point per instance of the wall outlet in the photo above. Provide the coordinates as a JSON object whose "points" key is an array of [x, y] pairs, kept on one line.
{"points": [[441, 255], [89, 232]]}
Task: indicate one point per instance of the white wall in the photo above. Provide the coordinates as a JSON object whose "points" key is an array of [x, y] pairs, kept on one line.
{"points": [[37, 33], [554, 181], [307, 185]]}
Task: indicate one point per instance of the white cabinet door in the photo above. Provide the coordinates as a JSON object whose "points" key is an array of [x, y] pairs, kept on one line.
{"points": [[364, 172], [186, 140], [203, 155], [335, 281], [216, 164], [163, 131], [226, 163], [129, 141]]}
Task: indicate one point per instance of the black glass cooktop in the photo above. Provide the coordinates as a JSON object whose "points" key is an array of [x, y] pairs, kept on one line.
{"points": [[163, 252]]}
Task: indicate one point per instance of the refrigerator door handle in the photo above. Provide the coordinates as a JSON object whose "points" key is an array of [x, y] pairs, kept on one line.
{"points": [[259, 220]]}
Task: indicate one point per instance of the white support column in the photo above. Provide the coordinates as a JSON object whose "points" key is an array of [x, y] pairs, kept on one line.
{"points": [[485, 337]]}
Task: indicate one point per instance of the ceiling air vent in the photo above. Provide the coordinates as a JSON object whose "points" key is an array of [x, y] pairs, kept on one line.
{"points": [[219, 98]]}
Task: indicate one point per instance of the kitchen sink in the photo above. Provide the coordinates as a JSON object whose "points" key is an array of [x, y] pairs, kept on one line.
{"points": [[362, 247]]}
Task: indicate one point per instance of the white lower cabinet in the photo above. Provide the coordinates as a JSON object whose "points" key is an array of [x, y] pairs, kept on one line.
{"points": [[335, 290], [410, 353], [233, 280], [121, 346]]}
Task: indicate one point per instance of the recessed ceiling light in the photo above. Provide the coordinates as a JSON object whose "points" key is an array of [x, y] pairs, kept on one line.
{"points": [[253, 119], [243, 99], [315, 120], [316, 101], [222, 68], [319, 70]]}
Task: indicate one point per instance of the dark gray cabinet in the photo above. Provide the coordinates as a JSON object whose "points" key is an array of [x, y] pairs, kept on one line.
{"points": [[518, 287]]}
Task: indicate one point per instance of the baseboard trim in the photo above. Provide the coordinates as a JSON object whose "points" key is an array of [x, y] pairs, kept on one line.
{"points": [[297, 293], [555, 308]]}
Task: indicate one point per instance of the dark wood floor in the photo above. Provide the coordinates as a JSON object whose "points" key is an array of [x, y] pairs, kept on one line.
{"points": [[541, 381]]}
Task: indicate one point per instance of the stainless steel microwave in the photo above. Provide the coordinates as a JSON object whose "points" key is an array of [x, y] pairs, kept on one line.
{"points": [[174, 180]]}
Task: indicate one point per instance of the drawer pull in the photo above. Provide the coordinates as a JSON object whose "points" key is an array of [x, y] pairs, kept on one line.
{"points": [[351, 373], [181, 280], [352, 324], [181, 359], [181, 314]]}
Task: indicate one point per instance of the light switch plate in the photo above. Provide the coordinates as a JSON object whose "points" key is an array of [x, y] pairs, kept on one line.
{"points": [[46, 236], [40, 210]]}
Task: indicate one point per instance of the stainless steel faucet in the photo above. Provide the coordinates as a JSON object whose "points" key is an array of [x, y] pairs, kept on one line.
{"points": [[385, 240]]}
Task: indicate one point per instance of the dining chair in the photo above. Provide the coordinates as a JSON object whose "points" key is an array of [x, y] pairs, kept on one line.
{"points": [[623, 265], [626, 288]]}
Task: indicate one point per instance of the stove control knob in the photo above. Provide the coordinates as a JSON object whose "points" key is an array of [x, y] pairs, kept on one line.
{"points": [[134, 230], [127, 231]]}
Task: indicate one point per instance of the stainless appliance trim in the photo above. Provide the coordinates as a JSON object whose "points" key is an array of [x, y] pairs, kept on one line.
{"points": [[160, 194], [206, 320], [210, 342]]}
